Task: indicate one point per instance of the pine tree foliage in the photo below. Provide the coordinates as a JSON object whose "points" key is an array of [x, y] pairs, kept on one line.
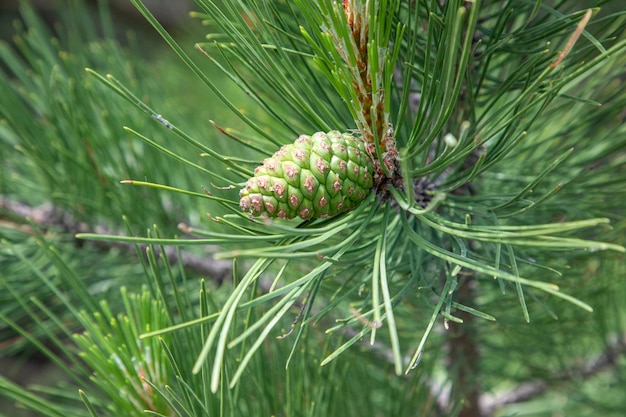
{"points": [[61, 298], [497, 141], [48, 99], [487, 85], [63, 150]]}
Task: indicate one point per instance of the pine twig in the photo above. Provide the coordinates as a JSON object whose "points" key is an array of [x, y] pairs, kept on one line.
{"points": [[48, 216], [607, 360]]}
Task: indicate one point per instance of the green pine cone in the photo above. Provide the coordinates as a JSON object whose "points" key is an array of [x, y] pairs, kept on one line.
{"points": [[320, 175]]}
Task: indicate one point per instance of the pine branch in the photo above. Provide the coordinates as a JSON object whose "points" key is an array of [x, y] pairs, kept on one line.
{"points": [[485, 81], [483, 404], [477, 103], [606, 361], [48, 216], [463, 352]]}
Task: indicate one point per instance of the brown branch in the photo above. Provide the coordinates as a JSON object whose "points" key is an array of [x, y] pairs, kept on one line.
{"points": [[463, 361], [47, 216], [607, 360]]}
